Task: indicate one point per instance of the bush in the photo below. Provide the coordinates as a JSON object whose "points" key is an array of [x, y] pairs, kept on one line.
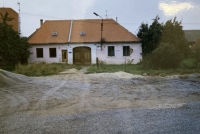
{"points": [[189, 63], [165, 57], [195, 53]]}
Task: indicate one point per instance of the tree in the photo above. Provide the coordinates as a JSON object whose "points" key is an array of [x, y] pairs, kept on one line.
{"points": [[173, 47], [173, 34], [13, 48], [150, 35], [143, 34]]}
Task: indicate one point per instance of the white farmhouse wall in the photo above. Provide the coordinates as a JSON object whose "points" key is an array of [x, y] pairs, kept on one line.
{"points": [[46, 57], [119, 58], [59, 47], [95, 52]]}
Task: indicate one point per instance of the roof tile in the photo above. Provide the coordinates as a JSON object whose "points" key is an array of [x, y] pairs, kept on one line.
{"points": [[112, 32], [11, 14]]}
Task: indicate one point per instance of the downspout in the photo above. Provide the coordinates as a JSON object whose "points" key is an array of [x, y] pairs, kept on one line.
{"points": [[70, 31], [70, 57]]}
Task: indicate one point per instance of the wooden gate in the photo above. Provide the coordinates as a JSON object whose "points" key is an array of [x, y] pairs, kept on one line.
{"points": [[82, 56]]}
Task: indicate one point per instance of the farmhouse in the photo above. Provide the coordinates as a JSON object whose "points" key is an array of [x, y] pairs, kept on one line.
{"points": [[80, 42], [192, 36]]}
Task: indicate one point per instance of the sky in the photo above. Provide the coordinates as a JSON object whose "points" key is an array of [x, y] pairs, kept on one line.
{"points": [[130, 13]]}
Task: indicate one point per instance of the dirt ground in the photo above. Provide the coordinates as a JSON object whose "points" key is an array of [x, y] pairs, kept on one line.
{"points": [[73, 91]]}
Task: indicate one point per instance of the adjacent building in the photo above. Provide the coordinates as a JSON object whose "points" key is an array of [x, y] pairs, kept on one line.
{"points": [[11, 14], [192, 36]]}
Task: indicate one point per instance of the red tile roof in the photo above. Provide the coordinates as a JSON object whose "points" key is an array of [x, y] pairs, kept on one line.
{"points": [[11, 14], [112, 32], [44, 33]]}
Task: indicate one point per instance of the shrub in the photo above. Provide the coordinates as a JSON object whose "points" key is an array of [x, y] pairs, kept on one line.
{"points": [[165, 57], [189, 63]]}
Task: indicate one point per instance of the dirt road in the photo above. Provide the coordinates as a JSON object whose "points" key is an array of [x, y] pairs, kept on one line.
{"points": [[73, 92]]}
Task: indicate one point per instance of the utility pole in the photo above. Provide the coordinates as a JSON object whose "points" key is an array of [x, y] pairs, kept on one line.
{"points": [[101, 27], [19, 20]]}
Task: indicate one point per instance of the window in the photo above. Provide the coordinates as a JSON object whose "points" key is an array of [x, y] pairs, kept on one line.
{"points": [[39, 52], [126, 50], [111, 51], [52, 52]]}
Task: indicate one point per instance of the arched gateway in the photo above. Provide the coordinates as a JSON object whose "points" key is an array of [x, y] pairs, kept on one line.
{"points": [[82, 56]]}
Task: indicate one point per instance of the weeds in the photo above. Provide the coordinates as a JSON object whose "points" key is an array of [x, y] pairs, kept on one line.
{"points": [[139, 70], [41, 69]]}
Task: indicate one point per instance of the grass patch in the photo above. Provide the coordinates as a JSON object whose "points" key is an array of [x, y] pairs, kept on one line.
{"points": [[42, 69], [138, 70], [189, 63]]}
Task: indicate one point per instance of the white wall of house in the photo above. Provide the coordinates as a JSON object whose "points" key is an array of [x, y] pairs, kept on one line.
{"points": [[46, 56], [59, 47], [95, 52], [119, 58]]}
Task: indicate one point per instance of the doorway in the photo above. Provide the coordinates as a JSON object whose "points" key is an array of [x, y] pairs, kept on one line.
{"points": [[64, 56], [82, 56]]}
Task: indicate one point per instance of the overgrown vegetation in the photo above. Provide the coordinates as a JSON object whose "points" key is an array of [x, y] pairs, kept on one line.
{"points": [[43, 69], [13, 48], [139, 70], [195, 53], [165, 57], [150, 35], [164, 44]]}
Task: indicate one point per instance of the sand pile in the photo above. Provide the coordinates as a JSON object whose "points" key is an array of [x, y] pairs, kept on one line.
{"points": [[116, 75], [9, 79]]}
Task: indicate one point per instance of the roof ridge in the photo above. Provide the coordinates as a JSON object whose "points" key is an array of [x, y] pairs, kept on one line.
{"points": [[82, 20], [8, 8], [192, 30]]}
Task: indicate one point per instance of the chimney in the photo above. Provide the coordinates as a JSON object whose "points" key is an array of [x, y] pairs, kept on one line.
{"points": [[41, 22], [116, 19]]}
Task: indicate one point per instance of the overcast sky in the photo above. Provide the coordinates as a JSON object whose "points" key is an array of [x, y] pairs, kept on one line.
{"points": [[130, 13]]}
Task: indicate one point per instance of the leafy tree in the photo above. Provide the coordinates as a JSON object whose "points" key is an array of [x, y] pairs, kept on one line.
{"points": [[173, 34], [143, 34], [164, 46], [13, 48], [150, 35]]}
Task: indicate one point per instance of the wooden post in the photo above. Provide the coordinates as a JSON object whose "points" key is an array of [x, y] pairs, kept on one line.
{"points": [[97, 62]]}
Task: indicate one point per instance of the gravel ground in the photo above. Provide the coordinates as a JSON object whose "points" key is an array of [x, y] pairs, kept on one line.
{"points": [[184, 120], [74, 102]]}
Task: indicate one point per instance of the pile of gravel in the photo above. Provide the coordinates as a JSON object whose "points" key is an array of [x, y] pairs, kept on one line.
{"points": [[8, 79]]}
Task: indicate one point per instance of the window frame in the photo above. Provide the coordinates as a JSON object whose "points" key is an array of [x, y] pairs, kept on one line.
{"points": [[38, 51], [52, 54], [123, 53], [111, 55]]}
